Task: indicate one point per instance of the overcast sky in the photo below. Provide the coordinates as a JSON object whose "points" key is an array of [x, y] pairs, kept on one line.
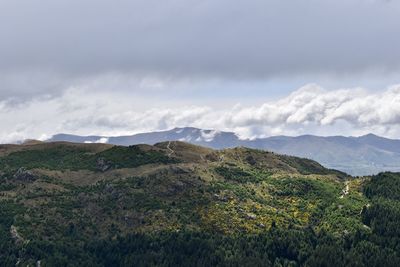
{"points": [[255, 67]]}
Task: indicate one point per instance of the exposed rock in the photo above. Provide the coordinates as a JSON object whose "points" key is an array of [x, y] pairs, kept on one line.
{"points": [[103, 165], [15, 235], [251, 160], [24, 175], [221, 198], [261, 225], [251, 216]]}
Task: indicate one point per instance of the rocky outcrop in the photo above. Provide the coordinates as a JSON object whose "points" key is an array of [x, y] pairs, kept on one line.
{"points": [[250, 216], [24, 175], [16, 236], [103, 165]]}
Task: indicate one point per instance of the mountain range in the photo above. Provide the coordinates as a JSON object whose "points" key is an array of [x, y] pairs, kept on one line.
{"points": [[364, 155]]}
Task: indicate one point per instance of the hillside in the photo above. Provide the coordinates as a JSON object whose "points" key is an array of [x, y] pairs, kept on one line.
{"points": [[174, 203], [364, 155]]}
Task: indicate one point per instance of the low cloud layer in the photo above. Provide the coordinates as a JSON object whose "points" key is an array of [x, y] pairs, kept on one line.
{"points": [[308, 110], [46, 44]]}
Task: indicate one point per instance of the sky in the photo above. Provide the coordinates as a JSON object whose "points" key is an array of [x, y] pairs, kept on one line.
{"points": [[255, 67]]}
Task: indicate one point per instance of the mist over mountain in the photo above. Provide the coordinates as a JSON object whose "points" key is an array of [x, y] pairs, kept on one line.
{"points": [[364, 155]]}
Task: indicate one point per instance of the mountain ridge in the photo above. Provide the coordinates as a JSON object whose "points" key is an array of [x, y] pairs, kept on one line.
{"points": [[364, 155]]}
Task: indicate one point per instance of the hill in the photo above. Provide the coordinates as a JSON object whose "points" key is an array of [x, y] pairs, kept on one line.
{"points": [[177, 204], [365, 155]]}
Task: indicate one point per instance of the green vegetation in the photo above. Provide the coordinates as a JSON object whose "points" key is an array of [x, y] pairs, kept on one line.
{"points": [[57, 205], [133, 156], [385, 185], [66, 157], [307, 166], [383, 215], [57, 157]]}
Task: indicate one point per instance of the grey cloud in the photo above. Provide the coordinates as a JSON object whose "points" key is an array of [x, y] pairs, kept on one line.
{"points": [[70, 39]]}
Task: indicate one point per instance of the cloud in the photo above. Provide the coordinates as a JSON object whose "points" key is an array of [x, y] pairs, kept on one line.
{"points": [[310, 109], [102, 140], [49, 45], [101, 67]]}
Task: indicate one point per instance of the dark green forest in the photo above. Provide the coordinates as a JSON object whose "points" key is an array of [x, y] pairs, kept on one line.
{"points": [[276, 247]]}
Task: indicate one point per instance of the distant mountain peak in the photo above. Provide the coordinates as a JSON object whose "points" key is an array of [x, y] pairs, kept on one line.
{"points": [[368, 154], [371, 135]]}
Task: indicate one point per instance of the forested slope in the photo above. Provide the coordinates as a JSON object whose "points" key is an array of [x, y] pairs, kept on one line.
{"points": [[175, 204]]}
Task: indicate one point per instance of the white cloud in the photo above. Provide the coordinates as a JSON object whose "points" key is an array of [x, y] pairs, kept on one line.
{"points": [[103, 140], [308, 110], [209, 136]]}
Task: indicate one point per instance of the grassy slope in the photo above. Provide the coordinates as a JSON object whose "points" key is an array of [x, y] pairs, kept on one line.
{"points": [[229, 192]]}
